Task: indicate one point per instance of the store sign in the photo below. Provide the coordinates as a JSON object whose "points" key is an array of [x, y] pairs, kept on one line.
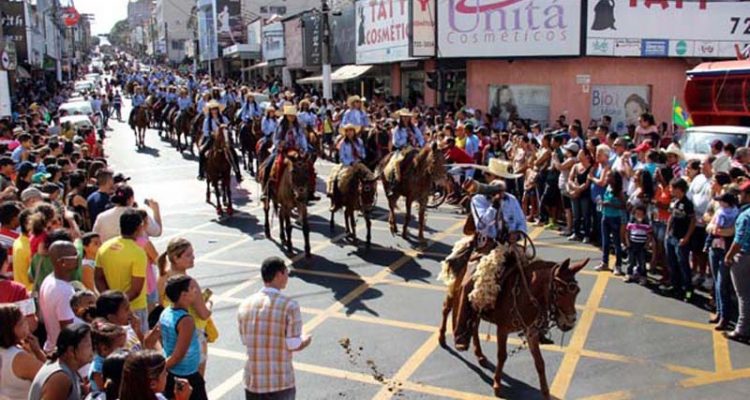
{"points": [[273, 41], [422, 20], [229, 27], [382, 31], [530, 102], [509, 28], [293, 43], [643, 28], [14, 26], [624, 104], [312, 39], [70, 16], [344, 36]]}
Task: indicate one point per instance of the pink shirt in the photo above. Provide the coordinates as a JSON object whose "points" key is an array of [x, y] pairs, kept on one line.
{"points": [[150, 275]]}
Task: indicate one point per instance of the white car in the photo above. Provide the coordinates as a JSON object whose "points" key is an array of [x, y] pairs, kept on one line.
{"points": [[77, 108], [78, 121], [94, 77], [696, 142], [84, 86]]}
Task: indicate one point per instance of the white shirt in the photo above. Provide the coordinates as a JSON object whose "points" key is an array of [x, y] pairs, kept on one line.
{"points": [[11, 386], [699, 193], [107, 224], [54, 304]]}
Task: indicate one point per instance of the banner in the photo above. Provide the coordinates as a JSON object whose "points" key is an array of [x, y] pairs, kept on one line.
{"points": [[312, 40], [382, 31], [5, 106], [293, 43], [344, 36], [207, 31], [422, 21], [530, 102], [254, 35], [229, 28], [273, 41], [624, 104], [509, 28], [644, 28], [14, 27]]}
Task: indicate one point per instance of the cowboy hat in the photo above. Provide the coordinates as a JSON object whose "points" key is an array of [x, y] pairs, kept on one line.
{"points": [[288, 93], [404, 112], [346, 127], [500, 168], [673, 149], [352, 99], [290, 110], [213, 104], [304, 102]]}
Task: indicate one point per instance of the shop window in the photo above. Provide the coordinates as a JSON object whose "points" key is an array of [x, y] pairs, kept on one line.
{"points": [[729, 95]]}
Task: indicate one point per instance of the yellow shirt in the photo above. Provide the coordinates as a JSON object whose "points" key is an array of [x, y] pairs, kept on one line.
{"points": [[22, 261], [461, 142], [200, 323], [122, 260]]}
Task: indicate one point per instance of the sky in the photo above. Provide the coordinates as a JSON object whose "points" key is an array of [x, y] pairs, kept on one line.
{"points": [[106, 12]]}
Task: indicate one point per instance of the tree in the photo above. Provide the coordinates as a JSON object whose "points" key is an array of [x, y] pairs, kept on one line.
{"points": [[119, 35]]}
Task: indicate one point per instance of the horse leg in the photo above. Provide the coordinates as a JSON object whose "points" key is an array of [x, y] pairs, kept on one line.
{"points": [[447, 308], [228, 196], [288, 226], [267, 227], [392, 215], [208, 191], [481, 359], [368, 224], [502, 355], [536, 352], [422, 209], [407, 218], [353, 226], [282, 227], [217, 192], [346, 222], [331, 224], [305, 233]]}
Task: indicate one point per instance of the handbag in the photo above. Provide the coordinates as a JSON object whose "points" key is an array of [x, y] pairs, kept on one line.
{"points": [[212, 332]]}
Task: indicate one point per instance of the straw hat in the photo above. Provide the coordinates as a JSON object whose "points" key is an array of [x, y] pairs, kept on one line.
{"points": [[213, 104], [352, 99], [404, 112], [344, 128], [304, 102], [673, 149], [288, 93], [290, 110], [502, 169]]}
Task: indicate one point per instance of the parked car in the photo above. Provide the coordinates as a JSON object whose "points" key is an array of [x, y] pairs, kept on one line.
{"points": [[78, 121], [696, 142], [77, 108], [84, 86]]}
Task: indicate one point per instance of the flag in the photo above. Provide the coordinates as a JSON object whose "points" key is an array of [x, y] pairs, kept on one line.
{"points": [[680, 117]]}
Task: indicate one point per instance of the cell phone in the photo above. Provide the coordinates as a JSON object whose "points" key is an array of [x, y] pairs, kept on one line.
{"points": [[145, 201], [207, 293]]}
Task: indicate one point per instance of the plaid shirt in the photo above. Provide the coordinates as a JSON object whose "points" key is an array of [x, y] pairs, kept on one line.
{"points": [[268, 322]]}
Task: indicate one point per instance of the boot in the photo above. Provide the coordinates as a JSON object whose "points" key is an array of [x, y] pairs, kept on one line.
{"points": [[201, 167]]}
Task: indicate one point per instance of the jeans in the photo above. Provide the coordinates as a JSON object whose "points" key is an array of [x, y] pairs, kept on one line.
{"points": [[611, 237], [288, 394], [596, 223], [740, 271], [582, 215], [725, 309], [678, 260], [637, 259]]}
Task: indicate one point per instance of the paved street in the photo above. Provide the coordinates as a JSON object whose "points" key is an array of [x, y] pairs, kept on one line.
{"points": [[628, 341]]}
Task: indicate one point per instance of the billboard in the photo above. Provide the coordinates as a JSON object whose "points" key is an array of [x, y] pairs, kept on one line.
{"points": [[509, 28], [382, 31], [645, 28], [530, 102], [5, 104], [207, 31], [254, 35], [273, 41], [13, 18], [422, 18], [344, 36], [312, 40], [293, 43], [624, 104], [229, 27]]}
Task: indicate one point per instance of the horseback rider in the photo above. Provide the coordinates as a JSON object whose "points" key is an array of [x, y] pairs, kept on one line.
{"points": [[138, 101], [117, 105], [171, 98], [268, 125], [214, 119], [183, 103], [351, 152], [406, 138], [355, 115], [306, 118], [250, 109]]}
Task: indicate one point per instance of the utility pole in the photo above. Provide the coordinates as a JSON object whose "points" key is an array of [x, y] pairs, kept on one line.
{"points": [[326, 52], [166, 44]]}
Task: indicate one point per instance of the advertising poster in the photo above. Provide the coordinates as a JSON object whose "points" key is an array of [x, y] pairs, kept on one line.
{"points": [[422, 28], [642, 29], [382, 31], [344, 36], [509, 28], [13, 19], [206, 31], [624, 104], [312, 40], [273, 41], [293, 43], [229, 28], [529, 102], [254, 35], [5, 107]]}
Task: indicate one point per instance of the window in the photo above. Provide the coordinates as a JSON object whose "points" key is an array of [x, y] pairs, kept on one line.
{"points": [[178, 45]]}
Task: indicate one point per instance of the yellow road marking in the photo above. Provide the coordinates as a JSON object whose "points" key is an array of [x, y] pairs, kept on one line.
{"points": [[618, 395], [708, 379], [226, 386], [679, 322], [722, 358], [410, 366]]}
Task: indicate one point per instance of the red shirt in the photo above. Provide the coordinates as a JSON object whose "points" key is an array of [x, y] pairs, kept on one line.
{"points": [[12, 291], [458, 156], [37, 240]]}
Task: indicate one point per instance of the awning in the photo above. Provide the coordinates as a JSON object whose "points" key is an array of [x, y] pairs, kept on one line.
{"points": [[342, 74], [255, 66]]}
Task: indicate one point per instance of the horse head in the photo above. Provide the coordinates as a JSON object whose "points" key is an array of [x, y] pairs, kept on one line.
{"points": [[435, 160], [300, 175], [367, 189], [219, 138], [564, 291]]}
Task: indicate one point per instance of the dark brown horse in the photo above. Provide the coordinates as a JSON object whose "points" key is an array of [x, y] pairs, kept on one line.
{"points": [[141, 122], [377, 144], [418, 173], [289, 193], [196, 131], [532, 299], [249, 133], [218, 172], [355, 190], [183, 127]]}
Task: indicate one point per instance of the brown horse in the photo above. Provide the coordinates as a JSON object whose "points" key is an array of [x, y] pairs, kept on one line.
{"points": [[218, 172], [377, 144], [196, 131], [355, 190], [249, 133], [289, 193], [531, 300], [183, 127], [418, 173], [141, 122]]}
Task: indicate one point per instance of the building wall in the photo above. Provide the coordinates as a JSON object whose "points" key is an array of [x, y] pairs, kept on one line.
{"points": [[139, 12], [666, 77], [175, 13]]}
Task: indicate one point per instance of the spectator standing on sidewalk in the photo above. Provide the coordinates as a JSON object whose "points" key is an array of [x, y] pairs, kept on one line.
{"points": [[270, 327], [738, 259]]}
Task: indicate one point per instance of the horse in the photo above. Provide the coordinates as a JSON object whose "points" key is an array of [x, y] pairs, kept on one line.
{"points": [[354, 190], [532, 298], [196, 131], [249, 133], [377, 143], [290, 192], [418, 173], [218, 173], [183, 126], [141, 122]]}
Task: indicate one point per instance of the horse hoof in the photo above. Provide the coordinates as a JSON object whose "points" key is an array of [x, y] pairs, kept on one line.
{"points": [[219, 211], [441, 340], [230, 211], [484, 363], [498, 390]]}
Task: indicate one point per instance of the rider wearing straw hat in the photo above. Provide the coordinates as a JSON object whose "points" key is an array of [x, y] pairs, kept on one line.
{"points": [[289, 136], [215, 119], [351, 152], [306, 118], [406, 138], [355, 115], [138, 101]]}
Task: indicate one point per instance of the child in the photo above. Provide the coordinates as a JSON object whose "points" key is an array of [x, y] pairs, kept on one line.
{"points": [[680, 228], [114, 307], [639, 235], [83, 304], [106, 338], [91, 243], [612, 205], [179, 336], [724, 218], [111, 375]]}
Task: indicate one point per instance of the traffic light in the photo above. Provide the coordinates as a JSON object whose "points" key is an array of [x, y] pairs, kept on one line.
{"points": [[432, 80]]}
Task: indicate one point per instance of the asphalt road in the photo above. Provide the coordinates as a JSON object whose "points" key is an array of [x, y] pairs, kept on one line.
{"points": [[629, 342]]}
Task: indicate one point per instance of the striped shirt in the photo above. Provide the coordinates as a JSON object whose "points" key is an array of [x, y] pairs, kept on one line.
{"points": [[638, 231], [270, 327]]}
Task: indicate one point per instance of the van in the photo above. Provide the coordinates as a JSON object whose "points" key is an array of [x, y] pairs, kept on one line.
{"points": [[696, 141]]}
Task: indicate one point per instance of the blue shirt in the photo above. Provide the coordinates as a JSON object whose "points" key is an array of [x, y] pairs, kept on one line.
{"points": [[212, 124], [293, 137], [742, 229], [138, 100], [171, 97], [17, 154], [249, 111], [472, 145], [168, 321], [401, 137], [97, 202], [347, 151], [269, 126], [96, 367], [201, 105], [184, 102], [356, 117], [486, 216], [306, 118]]}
